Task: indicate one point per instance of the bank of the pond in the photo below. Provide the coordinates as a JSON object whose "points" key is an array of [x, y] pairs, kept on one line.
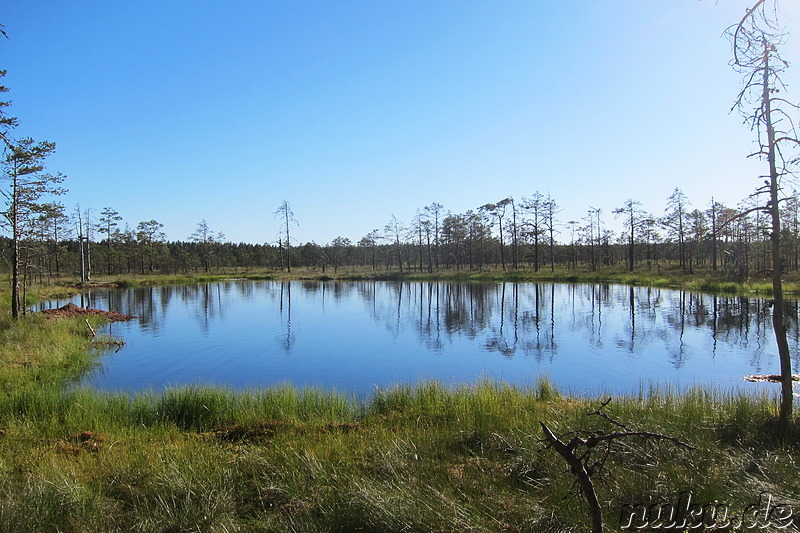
{"points": [[37, 352], [424, 458], [666, 277]]}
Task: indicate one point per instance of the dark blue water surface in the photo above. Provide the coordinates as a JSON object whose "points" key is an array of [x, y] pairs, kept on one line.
{"points": [[354, 336]]}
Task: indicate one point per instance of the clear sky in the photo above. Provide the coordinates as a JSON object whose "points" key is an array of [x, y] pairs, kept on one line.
{"points": [[356, 110]]}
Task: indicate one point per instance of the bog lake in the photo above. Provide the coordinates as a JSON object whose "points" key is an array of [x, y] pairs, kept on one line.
{"points": [[357, 336]]}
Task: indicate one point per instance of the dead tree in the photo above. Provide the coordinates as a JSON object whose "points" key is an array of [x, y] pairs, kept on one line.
{"points": [[579, 453], [756, 41]]}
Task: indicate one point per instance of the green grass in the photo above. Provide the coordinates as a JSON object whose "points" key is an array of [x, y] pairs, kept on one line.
{"points": [[38, 352], [422, 458]]}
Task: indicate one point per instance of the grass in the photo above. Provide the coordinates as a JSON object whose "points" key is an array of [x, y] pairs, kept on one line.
{"points": [[36, 352], [703, 279], [423, 458], [411, 458]]}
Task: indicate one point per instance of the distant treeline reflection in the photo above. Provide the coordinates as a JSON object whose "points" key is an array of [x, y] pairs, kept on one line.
{"points": [[533, 319]]}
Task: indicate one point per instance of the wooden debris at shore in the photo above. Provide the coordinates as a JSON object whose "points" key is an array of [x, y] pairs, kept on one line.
{"points": [[769, 378]]}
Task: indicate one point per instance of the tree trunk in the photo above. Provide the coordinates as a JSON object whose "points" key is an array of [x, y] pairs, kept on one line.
{"points": [[80, 244], [15, 299], [502, 244], [582, 478], [631, 251], [713, 235], [775, 238]]}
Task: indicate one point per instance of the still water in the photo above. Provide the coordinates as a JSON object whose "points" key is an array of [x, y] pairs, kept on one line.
{"points": [[354, 336]]}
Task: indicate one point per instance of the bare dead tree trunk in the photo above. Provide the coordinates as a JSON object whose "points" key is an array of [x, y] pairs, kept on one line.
{"points": [[775, 239], [578, 453], [756, 40], [514, 247], [581, 475], [88, 246], [15, 228], [80, 244], [288, 244], [713, 235]]}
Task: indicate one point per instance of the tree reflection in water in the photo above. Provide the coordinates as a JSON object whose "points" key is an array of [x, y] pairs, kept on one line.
{"points": [[609, 330]]}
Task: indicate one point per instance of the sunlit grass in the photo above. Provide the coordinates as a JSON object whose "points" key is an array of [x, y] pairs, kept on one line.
{"points": [[427, 457], [37, 351]]}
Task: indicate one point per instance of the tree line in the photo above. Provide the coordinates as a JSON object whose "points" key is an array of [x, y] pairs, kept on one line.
{"points": [[507, 235], [46, 239]]}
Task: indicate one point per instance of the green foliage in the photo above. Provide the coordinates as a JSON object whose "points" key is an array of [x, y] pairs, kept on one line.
{"points": [[421, 458]]}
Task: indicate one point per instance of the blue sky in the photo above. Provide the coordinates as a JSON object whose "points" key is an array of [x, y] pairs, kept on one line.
{"points": [[353, 111]]}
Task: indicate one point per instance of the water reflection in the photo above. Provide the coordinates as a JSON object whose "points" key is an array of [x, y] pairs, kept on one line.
{"points": [[287, 341], [513, 317], [383, 331]]}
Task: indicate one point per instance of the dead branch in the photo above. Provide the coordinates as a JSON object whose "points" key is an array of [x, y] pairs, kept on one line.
{"points": [[582, 476], [599, 412], [577, 452], [743, 214], [790, 139]]}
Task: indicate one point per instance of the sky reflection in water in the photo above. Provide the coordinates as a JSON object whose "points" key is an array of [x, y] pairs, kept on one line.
{"points": [[354, 336]]}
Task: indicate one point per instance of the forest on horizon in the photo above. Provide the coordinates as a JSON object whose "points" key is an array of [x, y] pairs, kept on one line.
{"points": [[507, 235]]}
